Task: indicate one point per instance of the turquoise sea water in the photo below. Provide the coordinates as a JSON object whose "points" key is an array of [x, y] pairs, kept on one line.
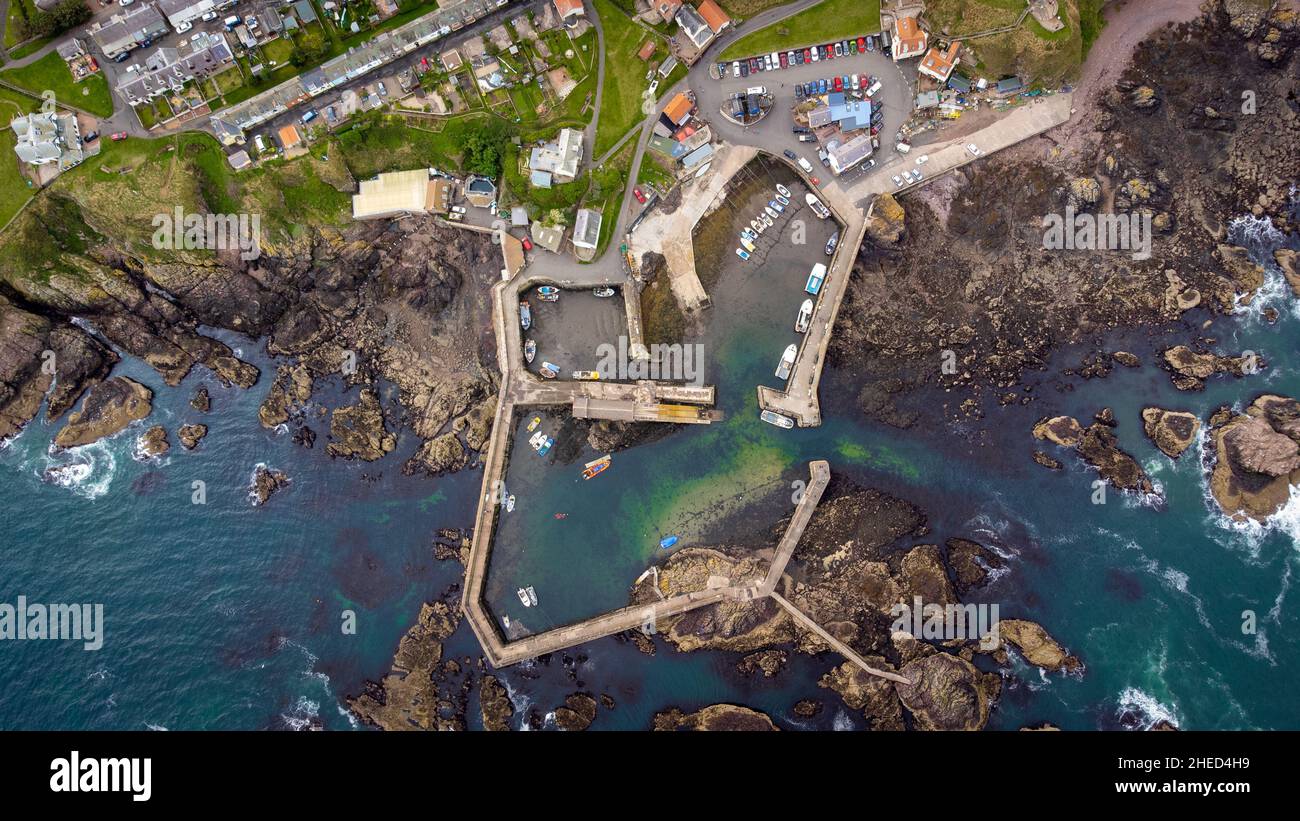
{"points": [[227, 615]]}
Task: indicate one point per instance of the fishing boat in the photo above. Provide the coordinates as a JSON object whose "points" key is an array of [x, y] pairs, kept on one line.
{"points": [[525, 315], [595, 467], [774, 418], [747, 245], [771, 212], [532, 426], [546, 446], [787, 362], [742, 253], [603, 291], [550, 371], [816, 205], [832, 242], [523, 597], [815, 279], [530, 351], [532, 595], [510, 503], [805, 317], [589, 376], [745, 233], [782, 190], [537, 440], [783, 199], [775, 206], [768, 221], [561, 515], [548, 293], [667, 542], [757, 226]]}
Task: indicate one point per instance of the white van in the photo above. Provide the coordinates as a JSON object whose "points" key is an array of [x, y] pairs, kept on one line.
{"points": [[759, 90], [871, 92], [902, 148]]}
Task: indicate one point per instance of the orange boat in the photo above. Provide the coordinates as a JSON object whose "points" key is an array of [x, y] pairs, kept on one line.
{"points": [[595, 467]]}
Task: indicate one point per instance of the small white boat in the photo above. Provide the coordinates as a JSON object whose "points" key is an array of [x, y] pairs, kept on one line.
{"points": [[787, 362], [604, 291], [774, 418], [742, 253], [770, 211], [783, 199], [523, 597], [506, 621], [804, 318], [817, 206], [530, 351], [782, 190], [747, 245], [510, 503], [768, 221], [532, 595], [757, 226]]}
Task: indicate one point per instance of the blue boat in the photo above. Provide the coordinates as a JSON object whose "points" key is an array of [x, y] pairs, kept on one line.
{"points": [[667, 542]]}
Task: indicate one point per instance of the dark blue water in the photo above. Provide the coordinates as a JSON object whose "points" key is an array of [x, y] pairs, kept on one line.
{"points": [[227, 615]]}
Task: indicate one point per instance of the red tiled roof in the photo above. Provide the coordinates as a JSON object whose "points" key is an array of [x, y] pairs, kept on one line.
{"points": [[567, 7], [713, 15]]}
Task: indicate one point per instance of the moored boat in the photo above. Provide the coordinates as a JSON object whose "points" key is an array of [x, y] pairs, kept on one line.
{"points": [[589, 376], [815, 279], [804, 318], [774, 418], [771, 212], [596, 467], [603, 291], [523, 597], [525, 315], [532, 426], [783, 199], [775, 206], [782, 190], [787, 362], [548, 293], [550, 371], [747, 245], [546, 446], [532, 595], [768, 221], [510, 503], [742, 253], [817, 206], [530, 351], [832, 242], [757, 226], [667, 542]]}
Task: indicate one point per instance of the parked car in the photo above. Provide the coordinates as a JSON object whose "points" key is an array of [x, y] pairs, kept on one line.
{"points": [[898, 181], [90, 137], [735, 68], [839, 49], [923, 159], [181, 28], [798, 91], [862, 45], [825, 86], [805, 165], [118, 137], [973, 149], [744, 69], [308, 117], [784, 62], [722, 70], [815, 54], [640, 197], [815, 180], [824, 157], [790, 155], [528, 244], [806, 138], [839, 84], [208, 17], [458, 209], [123, 57]]}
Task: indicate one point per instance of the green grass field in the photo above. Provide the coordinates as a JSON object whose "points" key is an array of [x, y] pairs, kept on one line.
{"points": [[620, 106], [14, 190], [50, 72], [828, 21]]}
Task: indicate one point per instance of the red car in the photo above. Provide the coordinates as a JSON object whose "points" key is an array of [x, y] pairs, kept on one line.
{"points": [[784, 60], [636, 192], [118, 137], [815, 181], [807, 55], [862, 45], [839, 84], [528, 244]]}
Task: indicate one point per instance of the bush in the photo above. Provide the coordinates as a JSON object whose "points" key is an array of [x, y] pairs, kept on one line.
{"points": [[66, 15]]}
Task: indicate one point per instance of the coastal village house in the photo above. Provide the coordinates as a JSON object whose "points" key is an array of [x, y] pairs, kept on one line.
{"points": [[179, 12], [556, 161], [167, 70], [713, 16], [133, 27], [569, 11], [48, 137], [907, 38], [693, 27], [939, 65], [586, 229]]}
